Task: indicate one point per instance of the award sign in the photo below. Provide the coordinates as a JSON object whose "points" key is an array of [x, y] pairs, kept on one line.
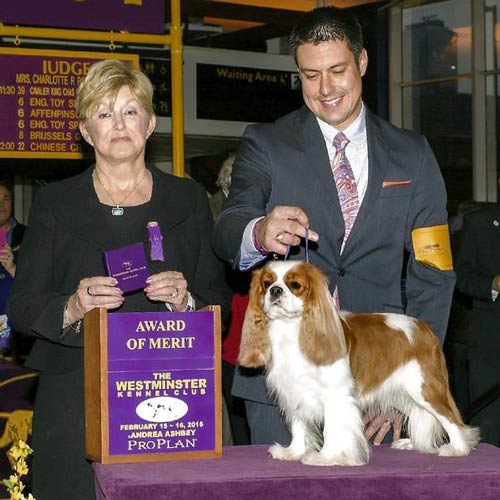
{"points": [[152, 385]]}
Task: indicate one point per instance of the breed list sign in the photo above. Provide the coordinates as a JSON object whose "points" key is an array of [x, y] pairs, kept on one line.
{"points": [[37, 98], [161, 383]]}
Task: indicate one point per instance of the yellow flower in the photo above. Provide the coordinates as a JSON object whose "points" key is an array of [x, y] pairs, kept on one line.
{"points": [[19, 487], [20, 450], [16, 495], [7, 484], [17, 458], [15, 453], [21, 467], [24, 446]]}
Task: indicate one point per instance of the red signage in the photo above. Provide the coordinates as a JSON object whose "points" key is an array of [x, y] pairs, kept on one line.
{"points": [[37, 99]]}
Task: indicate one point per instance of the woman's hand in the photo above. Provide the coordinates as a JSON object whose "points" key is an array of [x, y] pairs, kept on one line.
{"points": [[7, 260], [381, 424], [169, 287], [98, 291]]}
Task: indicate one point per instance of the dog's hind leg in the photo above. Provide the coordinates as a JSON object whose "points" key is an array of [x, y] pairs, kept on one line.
{"points": [[461, 438], [427, 428], [424, 431], [297, 448]]}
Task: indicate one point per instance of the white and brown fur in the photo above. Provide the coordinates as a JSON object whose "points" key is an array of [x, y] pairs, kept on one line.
{"points": [[326, 368]]}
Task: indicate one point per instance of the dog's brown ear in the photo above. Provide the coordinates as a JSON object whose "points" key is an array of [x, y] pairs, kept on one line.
{"points": [[322, 337], [255, 346]]}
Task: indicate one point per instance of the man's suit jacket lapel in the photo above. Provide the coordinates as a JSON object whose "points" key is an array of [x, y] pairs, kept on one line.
{"points": [[378, 160], [313, 146], [317, 162]]}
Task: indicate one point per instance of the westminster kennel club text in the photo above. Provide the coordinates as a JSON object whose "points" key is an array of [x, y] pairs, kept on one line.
{"points": [[161, 385]]}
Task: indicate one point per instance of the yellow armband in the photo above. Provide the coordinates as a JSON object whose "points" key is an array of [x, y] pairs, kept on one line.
{"points": [[432, 246]]}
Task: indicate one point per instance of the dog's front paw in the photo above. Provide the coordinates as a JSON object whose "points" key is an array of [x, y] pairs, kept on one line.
{"points": [[279, 452], [320, 459]]}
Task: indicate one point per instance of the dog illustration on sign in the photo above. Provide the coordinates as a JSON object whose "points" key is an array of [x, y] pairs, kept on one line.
{"points": [[161, 409]]}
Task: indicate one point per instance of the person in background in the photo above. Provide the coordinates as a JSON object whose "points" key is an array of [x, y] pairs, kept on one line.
{"points": [[477, 266], [239, 283], [61, 274], [369, 197], [457, 335], [11, 235], [224, 184]]}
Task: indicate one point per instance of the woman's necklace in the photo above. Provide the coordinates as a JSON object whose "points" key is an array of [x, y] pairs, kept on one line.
{"points": [[118, 209]]}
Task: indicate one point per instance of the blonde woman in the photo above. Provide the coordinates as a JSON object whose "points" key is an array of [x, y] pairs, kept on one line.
{"points": [[61, 275]]}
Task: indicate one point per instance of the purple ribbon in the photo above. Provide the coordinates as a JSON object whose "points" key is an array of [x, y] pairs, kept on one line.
{"points": [[155, 238]]}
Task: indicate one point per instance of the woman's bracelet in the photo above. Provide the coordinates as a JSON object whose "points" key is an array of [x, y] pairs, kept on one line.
{"points": [[77, 325]]}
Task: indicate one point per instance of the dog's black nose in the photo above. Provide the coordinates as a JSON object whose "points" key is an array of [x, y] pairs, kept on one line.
{"points": [[275, 291]]}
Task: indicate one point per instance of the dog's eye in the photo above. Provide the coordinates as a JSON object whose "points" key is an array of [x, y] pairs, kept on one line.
{"points": [[266, 284], [294, 285]]}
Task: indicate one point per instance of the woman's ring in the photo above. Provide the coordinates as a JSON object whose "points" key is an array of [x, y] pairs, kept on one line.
{"points": [[175, 293], [88, 291], [279, 237], [390, 422]]}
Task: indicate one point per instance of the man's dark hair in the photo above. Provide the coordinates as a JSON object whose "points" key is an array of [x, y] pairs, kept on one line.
{"points": [[325, 24]]}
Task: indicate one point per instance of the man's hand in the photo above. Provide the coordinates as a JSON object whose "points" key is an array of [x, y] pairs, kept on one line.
{"points": [[381, 423], [282, 227]]}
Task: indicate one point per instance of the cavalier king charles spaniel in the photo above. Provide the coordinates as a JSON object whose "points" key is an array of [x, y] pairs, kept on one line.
{"points": [[325, 368]]}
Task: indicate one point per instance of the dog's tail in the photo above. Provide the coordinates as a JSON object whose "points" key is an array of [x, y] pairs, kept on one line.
{"points": [[434, 433]]}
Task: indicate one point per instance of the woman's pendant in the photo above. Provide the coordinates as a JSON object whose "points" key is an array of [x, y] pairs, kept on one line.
{"points": [[117, 210]]}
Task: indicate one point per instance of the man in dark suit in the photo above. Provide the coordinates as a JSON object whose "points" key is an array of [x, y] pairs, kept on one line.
{"points": [[478, 277], [284, 189]]}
